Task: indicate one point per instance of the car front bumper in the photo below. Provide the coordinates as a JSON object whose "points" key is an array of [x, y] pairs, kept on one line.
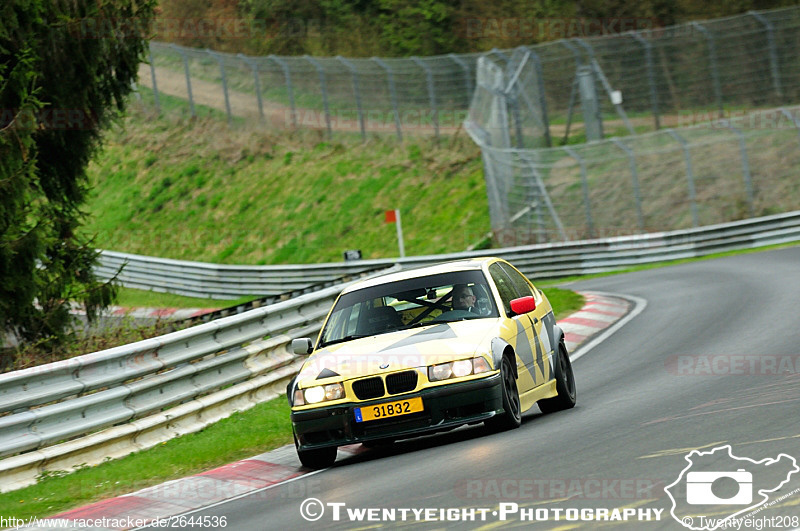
{"points": [[446, 407]]}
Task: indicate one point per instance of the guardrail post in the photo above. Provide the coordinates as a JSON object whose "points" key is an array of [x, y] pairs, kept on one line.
{"points": [[357, 91], [431, 93], [773, 53], [393, 93], [635, 179], [188, 78], [256, 82], [689, 175], [651, 81], [712, 63], [794, 120], [289, 88], [224, 82], [323, 84], [748, 180], [467, 77], [585, 185], [155, 85]]}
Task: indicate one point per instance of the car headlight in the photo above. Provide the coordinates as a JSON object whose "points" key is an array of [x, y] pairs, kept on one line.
{"points": [[319, 393], [457, 369]]}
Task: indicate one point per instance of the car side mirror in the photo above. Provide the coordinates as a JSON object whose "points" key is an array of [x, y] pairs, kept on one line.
{"points": [[523, 305], [301, 346]]}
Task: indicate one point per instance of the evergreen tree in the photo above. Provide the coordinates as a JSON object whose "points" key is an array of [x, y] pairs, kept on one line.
{"points": [[66, 67]]}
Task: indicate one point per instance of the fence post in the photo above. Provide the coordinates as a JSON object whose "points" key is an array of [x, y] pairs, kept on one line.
{"points": [[578, 63], [467, 77], [188, 78], [537, 63], [289, 88], [773, 53], [323, 83], [393, 93], [651, 81], [712, 63], [748, 180], [585, 185], [431, 93], [256, 82], [606, 85], [224, 82], [689, 175], [794, 120], [153, 77], [635, 179], [357, 91]]}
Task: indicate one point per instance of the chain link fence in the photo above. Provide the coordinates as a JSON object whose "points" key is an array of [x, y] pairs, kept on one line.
{"points": [[699, 175], [665, 77]]}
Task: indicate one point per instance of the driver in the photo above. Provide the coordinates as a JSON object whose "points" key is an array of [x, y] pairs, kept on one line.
{"points": [[464, 298]]}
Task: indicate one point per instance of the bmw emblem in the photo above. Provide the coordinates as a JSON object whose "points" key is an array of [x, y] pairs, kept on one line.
{"points": [[385, 366]]}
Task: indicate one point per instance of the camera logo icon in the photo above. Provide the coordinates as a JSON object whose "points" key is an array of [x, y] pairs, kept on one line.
{"points": [[699, 489]]}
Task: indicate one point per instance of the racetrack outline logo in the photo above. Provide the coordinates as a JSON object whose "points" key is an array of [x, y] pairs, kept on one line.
{"points": [[699, 488]]}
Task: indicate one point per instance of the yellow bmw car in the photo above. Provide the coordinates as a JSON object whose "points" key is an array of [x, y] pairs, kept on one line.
{"points": [[428, 350]]}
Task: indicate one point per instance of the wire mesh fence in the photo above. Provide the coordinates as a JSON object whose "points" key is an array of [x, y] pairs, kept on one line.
{"points": [[665, 77], [700, 175]]}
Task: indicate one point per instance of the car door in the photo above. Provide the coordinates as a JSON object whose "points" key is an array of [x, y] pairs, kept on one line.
{"points": [[524, 344], [540, 340]]}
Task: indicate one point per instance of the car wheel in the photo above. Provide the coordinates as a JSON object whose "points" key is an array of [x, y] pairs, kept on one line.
{"points": [[317, 458], [565, 385], [512, 415]]}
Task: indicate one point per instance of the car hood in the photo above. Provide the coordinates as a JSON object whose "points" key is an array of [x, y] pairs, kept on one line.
{"points": [[402, 349]]}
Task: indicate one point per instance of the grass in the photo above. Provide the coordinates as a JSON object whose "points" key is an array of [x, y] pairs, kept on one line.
{"points": [[129, 297], [199, 190], [564, 301]]}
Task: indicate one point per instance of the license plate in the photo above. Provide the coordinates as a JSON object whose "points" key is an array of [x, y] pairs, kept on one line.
{"points": [[389, 409]]}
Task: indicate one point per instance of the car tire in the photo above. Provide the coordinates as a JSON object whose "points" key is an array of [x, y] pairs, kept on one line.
{"points": [[317, 458], [565, 385], [512, 414]]}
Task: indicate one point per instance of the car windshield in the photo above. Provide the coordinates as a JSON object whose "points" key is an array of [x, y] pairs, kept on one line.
{"points": [[409, 303]]}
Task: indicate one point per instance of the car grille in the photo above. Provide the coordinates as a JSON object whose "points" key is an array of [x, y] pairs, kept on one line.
{"points": [[368, 388], [401, 382], [396, 383]]}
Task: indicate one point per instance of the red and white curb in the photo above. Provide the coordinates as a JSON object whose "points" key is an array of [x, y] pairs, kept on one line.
{"points": [[601, 315], [598, 313]]}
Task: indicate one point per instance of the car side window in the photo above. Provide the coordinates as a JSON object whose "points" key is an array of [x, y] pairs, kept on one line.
{"points": [[523, 288], [504, 286]]}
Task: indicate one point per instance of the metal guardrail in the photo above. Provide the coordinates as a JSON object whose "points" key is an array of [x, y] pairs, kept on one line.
{"points": [[215, 281], [141, 394], [202, 373], [539, 261]]}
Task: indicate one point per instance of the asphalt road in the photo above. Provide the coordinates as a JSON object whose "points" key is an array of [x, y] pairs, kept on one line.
{"points": [[711, 360]]}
